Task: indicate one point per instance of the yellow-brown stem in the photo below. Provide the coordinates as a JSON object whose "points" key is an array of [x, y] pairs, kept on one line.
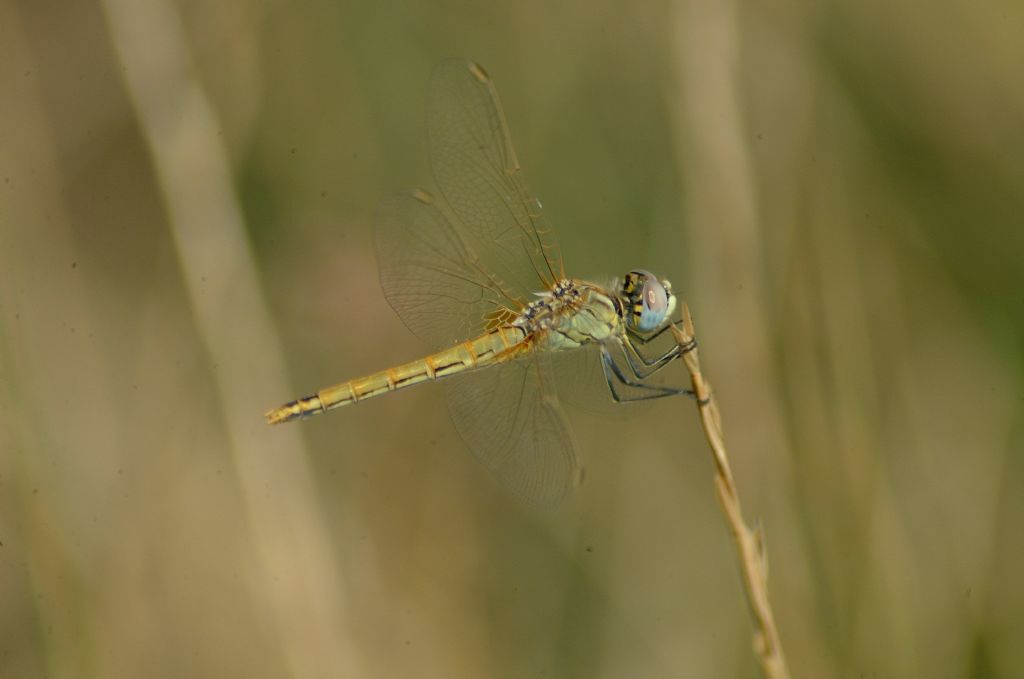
{"points": [[748, 542]]}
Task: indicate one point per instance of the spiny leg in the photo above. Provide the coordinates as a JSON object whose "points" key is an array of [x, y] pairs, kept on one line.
{"points": [[643, 367], [651, 365], [644, 339], [613, 373]]}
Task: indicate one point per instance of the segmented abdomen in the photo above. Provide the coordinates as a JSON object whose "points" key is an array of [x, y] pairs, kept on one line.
{"points": [[498, 345]]}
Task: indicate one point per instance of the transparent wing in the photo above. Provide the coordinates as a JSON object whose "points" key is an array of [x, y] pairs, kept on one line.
{"points": [[478, 174], [452, 274], [430, 276], [510, 418]]}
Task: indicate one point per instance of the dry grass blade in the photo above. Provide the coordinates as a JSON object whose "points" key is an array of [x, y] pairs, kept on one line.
{"points": [[748, 542], [304, 606]]}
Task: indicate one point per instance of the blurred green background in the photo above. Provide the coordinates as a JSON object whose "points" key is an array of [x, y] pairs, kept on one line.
{"points": [[836, 188]]}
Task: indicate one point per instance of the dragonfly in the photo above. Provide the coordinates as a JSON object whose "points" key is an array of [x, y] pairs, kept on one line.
{"points": [[477, 275]]}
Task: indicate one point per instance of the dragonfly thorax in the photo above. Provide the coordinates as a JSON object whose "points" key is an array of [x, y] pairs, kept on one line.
{"points": [[571, 314]]}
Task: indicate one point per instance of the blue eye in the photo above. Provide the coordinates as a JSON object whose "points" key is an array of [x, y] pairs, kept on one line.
{"points": [[654, 305]]}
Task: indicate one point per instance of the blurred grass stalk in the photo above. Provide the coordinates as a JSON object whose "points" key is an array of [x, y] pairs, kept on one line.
{"points": [[749, 543], [295, 572]]}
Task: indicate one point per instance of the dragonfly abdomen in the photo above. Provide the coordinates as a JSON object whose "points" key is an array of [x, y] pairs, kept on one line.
{"points": [[498, 345]]}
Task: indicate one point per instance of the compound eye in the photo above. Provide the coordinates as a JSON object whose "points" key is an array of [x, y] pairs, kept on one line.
{"points": [[655, 297], [653, 303]]}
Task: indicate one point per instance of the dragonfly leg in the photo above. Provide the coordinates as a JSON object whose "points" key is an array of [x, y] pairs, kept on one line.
{"points": [[644, 339], [642, 366], [613, 375]]}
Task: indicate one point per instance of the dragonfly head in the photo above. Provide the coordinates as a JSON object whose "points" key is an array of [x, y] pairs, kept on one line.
{"points": [[649, 301]]}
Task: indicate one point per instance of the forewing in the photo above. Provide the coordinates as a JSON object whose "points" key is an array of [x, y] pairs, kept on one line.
{"points": [[511, 419], [478, 174], [430, 276]]}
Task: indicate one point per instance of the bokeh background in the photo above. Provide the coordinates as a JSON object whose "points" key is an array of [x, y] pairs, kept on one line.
{"points": [[836, 188]]}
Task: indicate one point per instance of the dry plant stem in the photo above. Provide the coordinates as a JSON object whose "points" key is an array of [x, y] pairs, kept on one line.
{"points": [[748, 542], [288, 559]]}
